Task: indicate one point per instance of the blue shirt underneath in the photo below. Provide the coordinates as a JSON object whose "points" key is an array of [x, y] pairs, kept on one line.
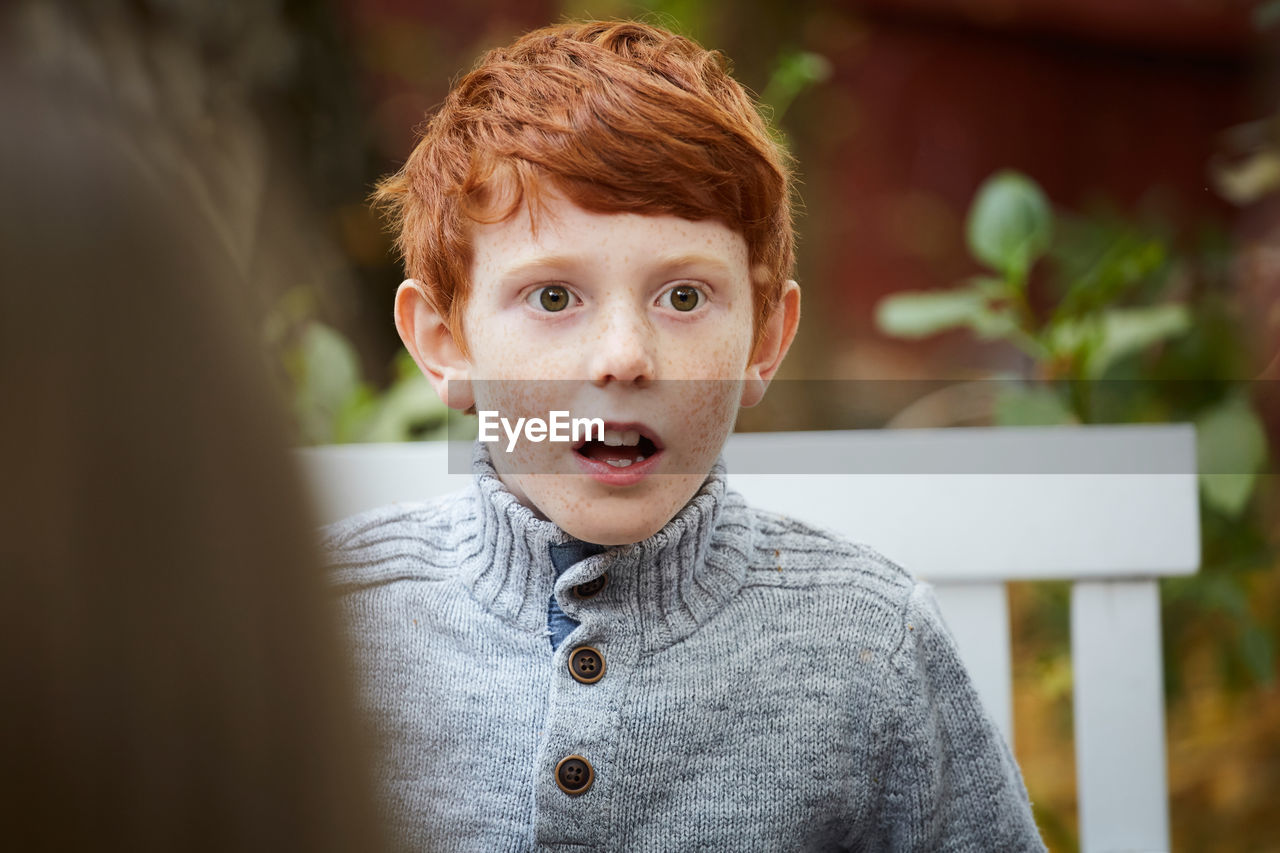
{"points": [[562, 557]]}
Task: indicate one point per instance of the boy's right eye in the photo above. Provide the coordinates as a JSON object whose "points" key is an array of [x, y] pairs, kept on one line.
{"points": [[553, 297]]}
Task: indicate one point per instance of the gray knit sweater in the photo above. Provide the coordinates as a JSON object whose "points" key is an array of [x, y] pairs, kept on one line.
{"points": [[766, 686]]}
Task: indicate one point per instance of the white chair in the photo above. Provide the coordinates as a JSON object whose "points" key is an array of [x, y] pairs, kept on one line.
{"points": [[1112, 509]]}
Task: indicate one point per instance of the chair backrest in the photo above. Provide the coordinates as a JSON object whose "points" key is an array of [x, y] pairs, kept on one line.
{"points": [[1111, 509]]}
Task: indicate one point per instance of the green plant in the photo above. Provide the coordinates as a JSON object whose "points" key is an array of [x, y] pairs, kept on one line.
{"points": [[330, 400], [334, 405], [1120, 323], [1119, 335]]}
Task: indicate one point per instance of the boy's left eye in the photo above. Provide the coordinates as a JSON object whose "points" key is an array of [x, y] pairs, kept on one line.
{"points": [[552, 297], [684, 297]]}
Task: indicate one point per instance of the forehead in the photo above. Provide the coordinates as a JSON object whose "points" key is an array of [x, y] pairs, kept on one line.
{"points": [[563, 233]]}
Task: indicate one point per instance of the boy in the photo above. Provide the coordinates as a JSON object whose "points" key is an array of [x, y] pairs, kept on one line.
{"points": [[599, 646]]}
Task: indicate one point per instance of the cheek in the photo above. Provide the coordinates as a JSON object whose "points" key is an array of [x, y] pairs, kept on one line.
{"points": [[699, 415], [704, 402], [504, 346], [489, 341], [712, 417], [716, 351]]}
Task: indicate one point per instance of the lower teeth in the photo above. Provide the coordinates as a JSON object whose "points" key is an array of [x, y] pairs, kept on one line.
{"points": [[619, 463]]}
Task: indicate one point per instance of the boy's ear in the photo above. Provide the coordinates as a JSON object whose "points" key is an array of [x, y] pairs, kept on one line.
{"points": [[779, 331], [430, 341]]}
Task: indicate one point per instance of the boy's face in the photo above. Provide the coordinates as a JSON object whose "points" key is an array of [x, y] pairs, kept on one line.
{"points": [[649, 318]]}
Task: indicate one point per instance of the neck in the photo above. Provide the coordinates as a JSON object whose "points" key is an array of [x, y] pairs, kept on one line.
{"points": [[668, 583]]}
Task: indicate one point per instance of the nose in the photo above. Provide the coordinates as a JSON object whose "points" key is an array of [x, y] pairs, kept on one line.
{"points": [[624, 350]]}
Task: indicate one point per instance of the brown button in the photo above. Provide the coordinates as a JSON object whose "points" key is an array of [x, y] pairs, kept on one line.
{"points": [[586, 665], [591, 587], [574, 775]]}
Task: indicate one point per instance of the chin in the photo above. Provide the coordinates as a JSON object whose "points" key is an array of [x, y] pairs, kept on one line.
{"points": [[612, 531], [593, 513]]}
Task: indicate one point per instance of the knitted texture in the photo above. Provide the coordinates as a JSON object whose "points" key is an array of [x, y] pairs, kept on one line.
{"points": [[768, 686]]}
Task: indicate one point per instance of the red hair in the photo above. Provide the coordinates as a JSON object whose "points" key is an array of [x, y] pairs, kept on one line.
{"points": [[620, 118]]}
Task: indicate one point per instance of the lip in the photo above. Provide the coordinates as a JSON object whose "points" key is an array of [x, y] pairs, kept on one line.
{"points": [[633, 473]]}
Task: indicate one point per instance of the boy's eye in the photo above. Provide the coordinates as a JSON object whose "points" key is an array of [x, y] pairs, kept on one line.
{"points": [[553, 297], [684, 298]]}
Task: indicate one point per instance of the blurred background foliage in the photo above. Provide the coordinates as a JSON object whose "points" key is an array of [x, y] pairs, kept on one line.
{"points": [[1129, 327], [1063, 211]]}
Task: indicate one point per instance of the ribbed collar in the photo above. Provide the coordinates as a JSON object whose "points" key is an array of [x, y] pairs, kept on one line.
{"points": [[663, 587]]}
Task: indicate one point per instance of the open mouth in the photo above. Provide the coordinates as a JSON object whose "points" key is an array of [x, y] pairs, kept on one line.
{"points": [[623, 445]]}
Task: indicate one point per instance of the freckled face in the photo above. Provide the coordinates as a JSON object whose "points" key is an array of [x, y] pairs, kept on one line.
{"points": [[623, 306]]}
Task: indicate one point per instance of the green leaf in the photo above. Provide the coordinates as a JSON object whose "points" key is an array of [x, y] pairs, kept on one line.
{"points": [[1231, 446], [408, 408], [404, 366], [332, 369], [1104, 266], [327, 376], [1074, 339], [793, 72], [349, 420], [1126, 331], [990, 286], [1036, 406], [918, 314], [1010, 224]]}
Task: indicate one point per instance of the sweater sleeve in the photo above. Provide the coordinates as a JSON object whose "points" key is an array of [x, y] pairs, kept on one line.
{"points": [[951, 780]]}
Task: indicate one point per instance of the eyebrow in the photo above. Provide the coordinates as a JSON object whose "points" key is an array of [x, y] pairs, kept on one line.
{"points": [[570, 262], [567, 264], [539, 264], [691, 260]]}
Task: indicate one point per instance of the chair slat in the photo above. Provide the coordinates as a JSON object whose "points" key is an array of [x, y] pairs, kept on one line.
{"points": [[978, 617], [1119, 716]]}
